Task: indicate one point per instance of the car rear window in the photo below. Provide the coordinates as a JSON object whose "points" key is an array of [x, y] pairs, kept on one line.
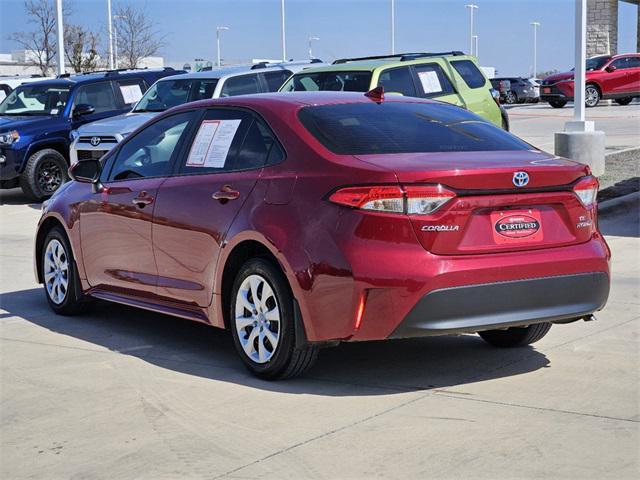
{"points": [[329, 81], [469, 72], [387, 128]]}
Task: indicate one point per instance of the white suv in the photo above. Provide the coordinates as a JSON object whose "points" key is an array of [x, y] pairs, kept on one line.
{"points": [[95, 139]]}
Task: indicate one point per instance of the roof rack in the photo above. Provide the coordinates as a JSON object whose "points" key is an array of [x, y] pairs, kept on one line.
{"points": [[402, 56], [259, 65], [115, 71]]}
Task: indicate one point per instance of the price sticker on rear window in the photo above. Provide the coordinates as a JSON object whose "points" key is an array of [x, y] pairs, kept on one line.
{"points": [[212, 143], [516, 226]]}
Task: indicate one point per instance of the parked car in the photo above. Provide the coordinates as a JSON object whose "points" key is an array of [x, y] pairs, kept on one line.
{"points": [[8, 83], [307, 219], [95, 139], [36, 119], [515, 90], [451, 77], [615, 77]]}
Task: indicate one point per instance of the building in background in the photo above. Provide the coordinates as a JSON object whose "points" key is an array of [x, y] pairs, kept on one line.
{"points": [[602, 27]]}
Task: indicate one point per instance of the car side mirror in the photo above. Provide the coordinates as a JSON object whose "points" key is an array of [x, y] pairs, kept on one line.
{"points": [[83, 109], [611, 68], [86, 171]]}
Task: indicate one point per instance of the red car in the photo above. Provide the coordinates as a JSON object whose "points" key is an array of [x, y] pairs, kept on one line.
{"points": [[302, 220], [614, 77]]}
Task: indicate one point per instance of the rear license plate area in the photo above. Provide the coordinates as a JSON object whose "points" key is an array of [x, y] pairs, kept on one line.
{"points": [[516, 226]]}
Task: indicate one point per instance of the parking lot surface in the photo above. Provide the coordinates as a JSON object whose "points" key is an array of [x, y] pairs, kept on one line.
{"points": [[537, 123], [121, 393]]}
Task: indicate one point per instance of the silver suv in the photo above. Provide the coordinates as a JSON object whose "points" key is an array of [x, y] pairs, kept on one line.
{"points": [[95, 139]]}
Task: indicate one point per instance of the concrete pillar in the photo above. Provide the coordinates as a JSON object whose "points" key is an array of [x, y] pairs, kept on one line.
{"points": [[584, 147], [602, 27]]}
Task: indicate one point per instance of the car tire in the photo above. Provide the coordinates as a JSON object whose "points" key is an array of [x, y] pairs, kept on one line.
{"points": [[591, 96], [511, 98], [44, 173], [264, 332], [557, 103], [60, 275], [515, 336], [623, 101]]}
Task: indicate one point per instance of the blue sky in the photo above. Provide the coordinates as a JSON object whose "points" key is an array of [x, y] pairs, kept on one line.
{"points": [[352, 28]]}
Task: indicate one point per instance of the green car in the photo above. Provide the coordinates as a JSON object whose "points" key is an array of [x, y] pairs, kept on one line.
{"points": [[451, 77]]}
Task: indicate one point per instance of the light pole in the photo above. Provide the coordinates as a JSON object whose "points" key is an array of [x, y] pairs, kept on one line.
{"points": [[471, 8], [535, 48], [284, 37], [311, 39], [60, 32], [476, 41], [115, 42], [110, 28], [393, 27], [218, 30]]}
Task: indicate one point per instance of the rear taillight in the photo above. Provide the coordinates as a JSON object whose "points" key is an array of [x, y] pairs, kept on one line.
{"points": [[587, 190], [412, 200]]}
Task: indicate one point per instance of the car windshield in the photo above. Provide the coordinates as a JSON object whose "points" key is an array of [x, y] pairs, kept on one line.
{"points": [[329, 81], [596, 63], [35, 100], [169, 93], [387, 128]]}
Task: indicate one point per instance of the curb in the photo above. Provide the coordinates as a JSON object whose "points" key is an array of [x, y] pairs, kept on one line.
{"points": [[627, 153], [619, 203]]}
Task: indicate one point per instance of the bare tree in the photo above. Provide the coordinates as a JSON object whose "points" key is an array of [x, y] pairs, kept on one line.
{"points": [[41, 42], [137, 37], [81, 48]]}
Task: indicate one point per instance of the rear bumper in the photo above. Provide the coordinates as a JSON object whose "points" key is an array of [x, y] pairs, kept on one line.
{"points": [[474, 308]]}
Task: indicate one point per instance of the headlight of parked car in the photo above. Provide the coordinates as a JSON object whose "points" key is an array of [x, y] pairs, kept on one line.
{"points": [[7, 138]]}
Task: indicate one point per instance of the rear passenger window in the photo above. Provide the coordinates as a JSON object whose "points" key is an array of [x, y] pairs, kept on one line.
{"points": [[275, 79], [243, 85], [230, 140], [131, 90], [472, 76], [99, 95], [433, 80], [398, 80]]}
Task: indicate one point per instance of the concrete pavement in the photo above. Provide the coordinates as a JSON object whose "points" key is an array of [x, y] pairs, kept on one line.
{"points": [[121, 394]]}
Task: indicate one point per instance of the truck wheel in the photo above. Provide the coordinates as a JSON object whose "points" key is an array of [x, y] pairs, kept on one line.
{"points": [[262, 323], [44, 173], [624, 101], [591, 96], [557, 103], [515, 336]]}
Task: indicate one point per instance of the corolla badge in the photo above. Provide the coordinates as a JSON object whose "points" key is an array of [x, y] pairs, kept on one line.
{"points": [[520, 179], [95, 141]]}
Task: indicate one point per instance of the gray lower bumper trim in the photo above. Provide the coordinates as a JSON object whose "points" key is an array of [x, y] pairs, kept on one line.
{"points": [[505, 304]]}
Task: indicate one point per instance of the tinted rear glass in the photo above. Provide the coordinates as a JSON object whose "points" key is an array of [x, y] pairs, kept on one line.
{"points": [[329, 81], [371, 128], [470, 73]]}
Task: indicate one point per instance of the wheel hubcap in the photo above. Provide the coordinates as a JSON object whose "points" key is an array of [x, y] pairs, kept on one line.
{"points": [[49, 176], [592, 96], [56, 271], [257, 320]]}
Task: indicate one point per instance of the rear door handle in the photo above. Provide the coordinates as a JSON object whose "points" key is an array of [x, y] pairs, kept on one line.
{"points": [[142, 200], [226, 193]]}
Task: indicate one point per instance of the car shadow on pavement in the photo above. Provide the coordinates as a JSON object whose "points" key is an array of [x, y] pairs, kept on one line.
{"points": [[622, 221], [351, 369], [15, 196]]}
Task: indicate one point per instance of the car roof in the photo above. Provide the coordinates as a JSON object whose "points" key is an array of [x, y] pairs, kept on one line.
{"points": [[294, 100], [388, 62], [219, 72], [94, 76]]}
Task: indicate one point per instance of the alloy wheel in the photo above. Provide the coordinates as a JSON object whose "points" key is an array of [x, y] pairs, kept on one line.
{"points": [[49, 176], [56, 271], [592, 96], [257, 319]]}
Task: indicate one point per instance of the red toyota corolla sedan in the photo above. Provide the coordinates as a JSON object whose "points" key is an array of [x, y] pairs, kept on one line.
{"points": [[301, 220]]}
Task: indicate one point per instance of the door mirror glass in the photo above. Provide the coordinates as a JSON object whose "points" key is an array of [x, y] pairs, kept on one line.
{"points": [[86, 171], [83, 109]]}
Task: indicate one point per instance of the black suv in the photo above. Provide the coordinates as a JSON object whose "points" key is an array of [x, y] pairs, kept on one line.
{"points": [[37, 118]]}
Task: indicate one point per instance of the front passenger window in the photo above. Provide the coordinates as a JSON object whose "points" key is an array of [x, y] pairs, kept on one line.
{"points": [[149, 153]]}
